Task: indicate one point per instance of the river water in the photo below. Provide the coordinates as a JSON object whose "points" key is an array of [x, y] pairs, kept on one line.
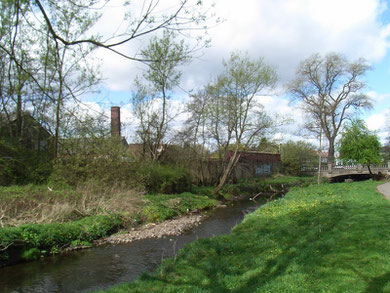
{"points": [[105, 266]]}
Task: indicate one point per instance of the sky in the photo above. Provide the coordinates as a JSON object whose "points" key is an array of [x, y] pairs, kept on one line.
{"points": [[283, 32]]}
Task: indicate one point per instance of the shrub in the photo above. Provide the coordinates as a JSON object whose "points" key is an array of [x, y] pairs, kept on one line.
{"points": [[31, 238], [158, 178], [105, 160], [19, 165]]}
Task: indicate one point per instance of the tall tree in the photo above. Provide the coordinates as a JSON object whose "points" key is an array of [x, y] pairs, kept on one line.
{"points": [[151, 102], [15, 43], [330, 91], [360, 145], [67, 70], [235, 117]]}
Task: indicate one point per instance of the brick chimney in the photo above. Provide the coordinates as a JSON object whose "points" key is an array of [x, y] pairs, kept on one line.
{"points": [[115, 121]]}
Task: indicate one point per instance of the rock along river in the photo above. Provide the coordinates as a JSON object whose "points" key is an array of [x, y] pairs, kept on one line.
{"points": [[109, 265]]}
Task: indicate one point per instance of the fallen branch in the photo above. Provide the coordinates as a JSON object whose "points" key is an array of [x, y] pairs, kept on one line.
{"points": [[260, 193], [6, 247]]}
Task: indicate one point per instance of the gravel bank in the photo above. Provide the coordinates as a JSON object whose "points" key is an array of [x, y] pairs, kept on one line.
{"points": [[167, 228]]}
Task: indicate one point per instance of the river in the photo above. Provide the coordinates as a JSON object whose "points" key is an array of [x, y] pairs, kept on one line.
{"points": [[108, 265]]}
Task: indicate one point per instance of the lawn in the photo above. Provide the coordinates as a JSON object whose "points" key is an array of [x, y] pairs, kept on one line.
{"points": [[328, 238]]}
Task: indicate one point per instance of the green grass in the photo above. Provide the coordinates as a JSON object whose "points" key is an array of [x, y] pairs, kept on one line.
{"points": [[31, 241], [328, 238], [160, 207]]}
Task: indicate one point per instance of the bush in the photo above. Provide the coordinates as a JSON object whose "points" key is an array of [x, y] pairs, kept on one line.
{"points": [[19, 165], [158, 178], [105, 160], [50, 238], [296, 155]]}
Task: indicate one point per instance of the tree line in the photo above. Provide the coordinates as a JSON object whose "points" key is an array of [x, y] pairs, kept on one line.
{"points": [[46, 55]]}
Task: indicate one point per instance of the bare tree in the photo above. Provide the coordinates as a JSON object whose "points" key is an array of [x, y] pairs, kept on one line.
{"points": [[15, 85], [68, 68], [329, 90]]}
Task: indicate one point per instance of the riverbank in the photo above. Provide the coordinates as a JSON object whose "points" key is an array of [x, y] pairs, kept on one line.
{"points": [[84, 218], [328, 238]]}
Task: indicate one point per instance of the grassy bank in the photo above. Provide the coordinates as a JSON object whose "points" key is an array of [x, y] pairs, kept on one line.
{"points": [[331, 238], [40, 220], [30, 241]]}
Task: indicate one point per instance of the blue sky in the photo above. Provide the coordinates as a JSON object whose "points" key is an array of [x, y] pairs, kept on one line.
{"points": [[283, 32]]}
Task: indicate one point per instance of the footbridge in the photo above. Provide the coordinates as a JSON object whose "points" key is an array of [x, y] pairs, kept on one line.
{"points": [[331, 171]]}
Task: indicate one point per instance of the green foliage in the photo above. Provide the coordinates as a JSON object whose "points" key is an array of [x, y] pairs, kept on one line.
{"points": [[165, 206], [31, 254], [359, 145], [327, 238], [291, 180], [79, 242], [19, 165], [252, 186], [151, 102], [95, 158], [204, 190], [166, 55], [159, 178], [51, 237], [295, 155]]}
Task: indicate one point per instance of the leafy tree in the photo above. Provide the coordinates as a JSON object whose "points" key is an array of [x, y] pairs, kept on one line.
{"points": [[360, 145], [151, 102], [295, 155], [234, 115], [330, 91]]}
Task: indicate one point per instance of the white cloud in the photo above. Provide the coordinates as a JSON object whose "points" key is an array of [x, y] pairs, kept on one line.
{"points": [[283, 31], [379, 122], [376, 122], [377, 97]]}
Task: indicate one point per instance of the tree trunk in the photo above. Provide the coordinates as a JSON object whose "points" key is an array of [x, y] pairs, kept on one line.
{"points": [[369, 169], [228, 171], [19, 117], [331, 151], [57, 127]]}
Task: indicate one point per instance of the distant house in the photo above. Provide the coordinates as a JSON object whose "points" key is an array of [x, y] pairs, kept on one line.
{"points": [[255, 164], [324, 157]]}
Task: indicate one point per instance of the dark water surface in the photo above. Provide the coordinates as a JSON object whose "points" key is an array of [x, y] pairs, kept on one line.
{"points": [[105, 266]]}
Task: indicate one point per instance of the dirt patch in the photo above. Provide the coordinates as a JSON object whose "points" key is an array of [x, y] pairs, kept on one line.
{"points": [[167, 228]]}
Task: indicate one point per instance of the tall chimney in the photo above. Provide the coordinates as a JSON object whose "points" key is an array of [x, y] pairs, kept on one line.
{"points": [[115, 121]]}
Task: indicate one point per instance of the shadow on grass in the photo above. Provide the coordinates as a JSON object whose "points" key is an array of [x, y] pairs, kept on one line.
{"points": [[378, 284]]}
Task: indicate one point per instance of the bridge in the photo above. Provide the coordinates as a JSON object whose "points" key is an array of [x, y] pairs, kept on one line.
{"points": [[331, 171]]}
